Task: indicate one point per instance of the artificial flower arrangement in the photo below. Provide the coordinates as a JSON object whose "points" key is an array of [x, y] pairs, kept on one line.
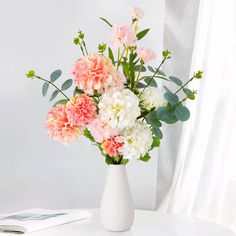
{"points": [[116, 103]]}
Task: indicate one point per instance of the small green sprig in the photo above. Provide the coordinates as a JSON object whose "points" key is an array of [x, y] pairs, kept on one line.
{"points": [[79, 40], [102, 47]]}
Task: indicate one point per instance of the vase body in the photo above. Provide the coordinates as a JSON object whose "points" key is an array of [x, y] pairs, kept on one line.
{"points": [[117, 211]]}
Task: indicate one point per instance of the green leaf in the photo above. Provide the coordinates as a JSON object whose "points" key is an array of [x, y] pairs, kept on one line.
{"points": [[137, 68], [108, 160], [151, 69], [157, 132], [151, 82], [77, 91], [171, 98], [176, 80], [152, 119], [145, 158], [155, 142], [182, 113], [106, 21], [66, 84], [54, 94], [111, 56], [167, 90], [189, 93], [140, 85], [141, 34], [89, 135], [55, 75], [62, 101], [125, 68], [124, 161], [166, 115], [160, 72], [45, 88]]}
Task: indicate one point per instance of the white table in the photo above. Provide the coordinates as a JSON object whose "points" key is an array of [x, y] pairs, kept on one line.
{"points": [[147, 223]]}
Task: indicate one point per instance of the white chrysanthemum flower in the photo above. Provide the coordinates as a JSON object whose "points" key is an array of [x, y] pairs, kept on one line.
{"points": [[120, 108], [137, 140], [152, 98]]}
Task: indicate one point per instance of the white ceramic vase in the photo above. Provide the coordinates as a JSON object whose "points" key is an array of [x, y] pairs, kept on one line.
{"points": [[117, 211]]}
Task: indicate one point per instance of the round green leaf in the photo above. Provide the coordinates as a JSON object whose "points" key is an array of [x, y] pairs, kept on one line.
{"points": [[62, 101], [182, 113], [45, 88], [54, 94], [55, 75], [166, 115], [160, 72], [151, 82], [171, 98], [67, 84], [176, 80], [140, 85], [151, 69], [189, 93], [157, 132], [137, 68], [152, 119]]}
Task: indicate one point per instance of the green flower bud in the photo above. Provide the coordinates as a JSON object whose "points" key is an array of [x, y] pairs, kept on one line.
{"points": [[198, 74], [81, 34], [30, 74], [102, 47], [76, 41], [166, 54]]}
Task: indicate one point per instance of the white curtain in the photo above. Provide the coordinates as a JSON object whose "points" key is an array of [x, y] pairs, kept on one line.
{"points": [[204, 180]]}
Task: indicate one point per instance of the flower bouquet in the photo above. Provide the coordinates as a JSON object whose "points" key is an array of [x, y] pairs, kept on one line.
{"points": [[118, 101]]}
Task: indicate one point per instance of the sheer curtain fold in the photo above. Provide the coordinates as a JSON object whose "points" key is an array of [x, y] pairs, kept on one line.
{"points": [[204, 179]]}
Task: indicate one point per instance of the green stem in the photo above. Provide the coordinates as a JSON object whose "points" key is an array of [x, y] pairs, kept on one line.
{"points": [[184, 84], [84, 44], [38, 77], [119, 59], [163, 60]]}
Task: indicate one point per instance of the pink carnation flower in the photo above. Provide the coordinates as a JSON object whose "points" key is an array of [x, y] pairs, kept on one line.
{"points": [[123, 34], [146, 54], [136, 13], [58, 126], [112, 146], [95, 72], [100, 129], [80, 110]]}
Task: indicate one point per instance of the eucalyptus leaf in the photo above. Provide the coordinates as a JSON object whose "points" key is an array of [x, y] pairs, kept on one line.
{"points": [[55, 75], [45, 88], [140, 85], [62, 101], [141, 34], [151, 69], [189, 93], [151, 82], [182, 113], [166, 115], [160, 72], [67, 84], [152, 119], [54, 94], [137, 68], [176, 80], [157, 132], [145, 158], [171, 98], [167, 90]]}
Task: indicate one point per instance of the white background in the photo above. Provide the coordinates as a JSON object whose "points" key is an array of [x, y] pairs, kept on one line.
{"points": [[34, 170]]}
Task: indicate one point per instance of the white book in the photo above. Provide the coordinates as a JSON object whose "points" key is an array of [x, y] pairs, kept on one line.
{"points": [[37, 219]]}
